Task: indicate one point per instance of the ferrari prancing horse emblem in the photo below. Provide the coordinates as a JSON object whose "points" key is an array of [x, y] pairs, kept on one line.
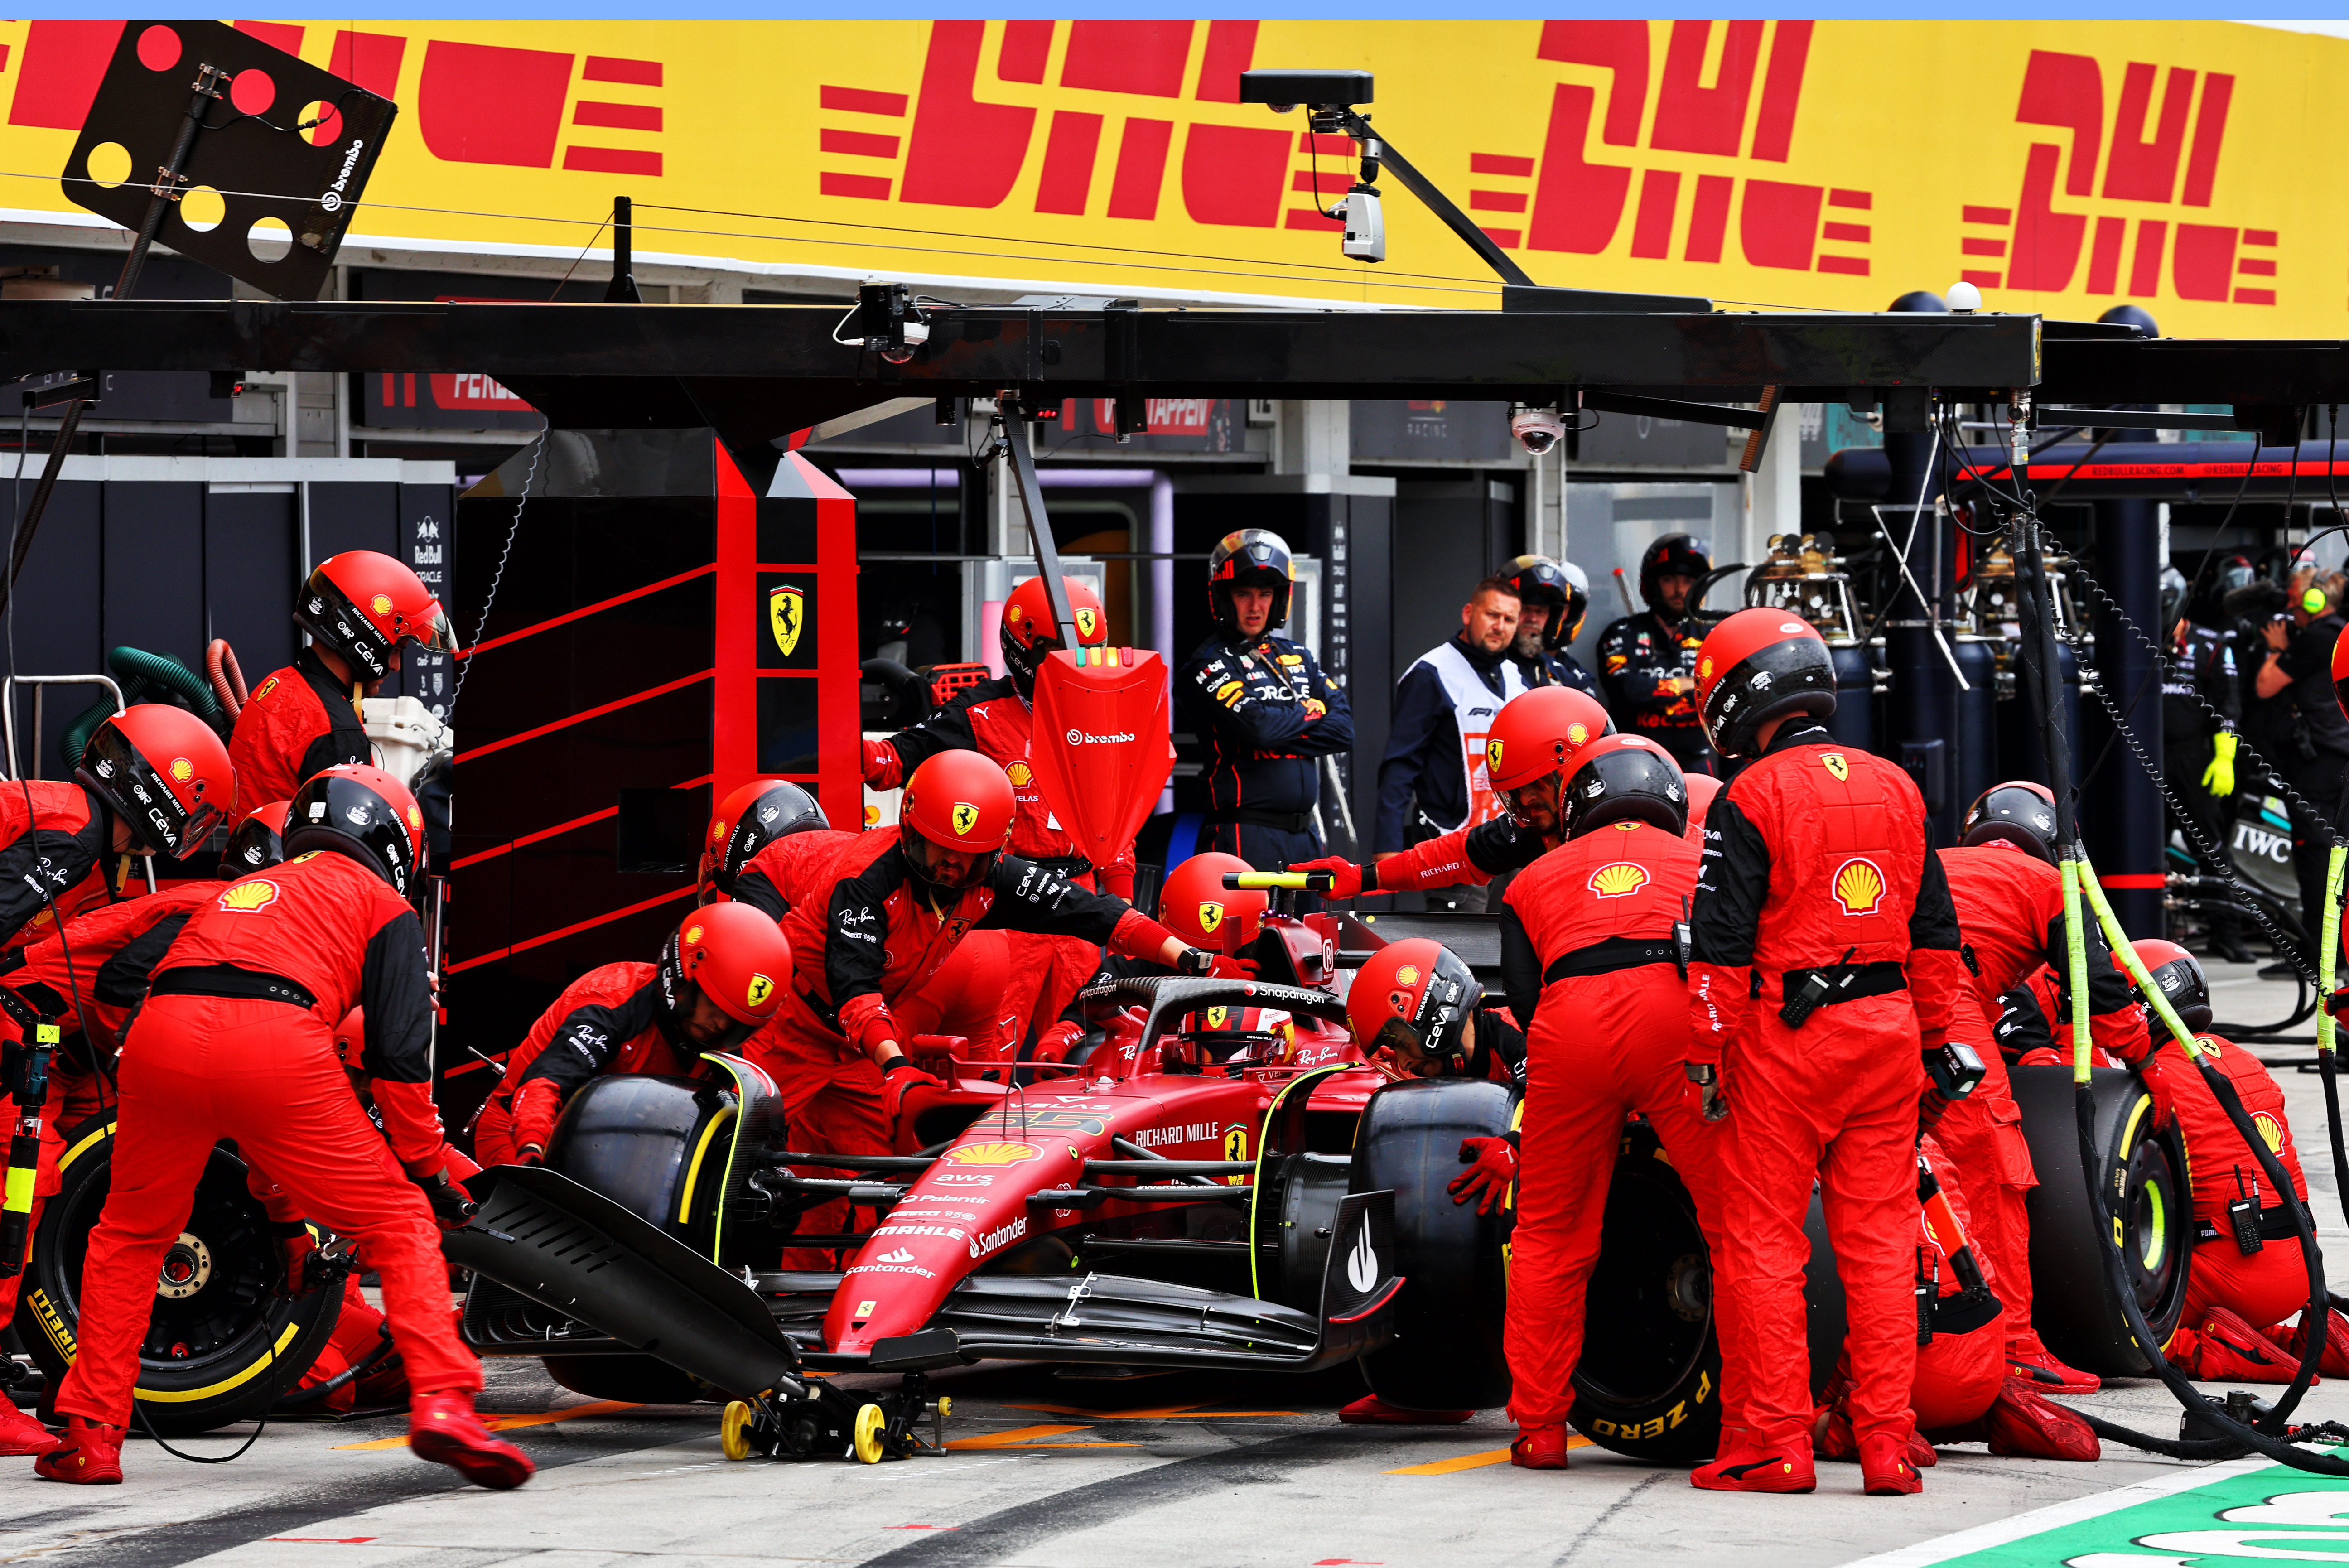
{"points": [[1834, 763], [786, 614]]}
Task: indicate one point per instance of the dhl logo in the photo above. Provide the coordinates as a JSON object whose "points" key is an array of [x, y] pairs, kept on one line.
{"points": [[992, 1154], [1860, 886], [1618, 880]]}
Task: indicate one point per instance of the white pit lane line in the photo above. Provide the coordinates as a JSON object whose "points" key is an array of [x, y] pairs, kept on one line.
{"points": [[2054, 1516]]}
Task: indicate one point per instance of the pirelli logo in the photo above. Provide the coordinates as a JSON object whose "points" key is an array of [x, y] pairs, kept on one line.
{"points": [[52, 1324]]}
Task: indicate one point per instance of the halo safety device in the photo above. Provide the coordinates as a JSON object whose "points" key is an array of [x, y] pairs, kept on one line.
{"points": [[1028, 633], [1249, 558], [1413, 999], [362, 604], [362, 812], [2019, 811], [735, 956], [163, 771], [954, 819], [1759, 665], [1624, 778]]}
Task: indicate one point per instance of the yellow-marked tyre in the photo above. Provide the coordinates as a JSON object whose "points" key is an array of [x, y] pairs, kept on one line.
{"points": [[223, 1343], [734, 1432], [866, 1435]]}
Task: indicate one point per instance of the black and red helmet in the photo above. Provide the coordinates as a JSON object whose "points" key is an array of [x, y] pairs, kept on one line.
{"points": [[1413, 997], [1673, 555], [1029, 631], [362, 812], [1624, 778], [2178, 975], [734, 955], [362, 604], [163, 771], [258, 842], [1539, 580], [955, 817], [751, 818], [2018, 811], [1758, 665], [1247, 558]]}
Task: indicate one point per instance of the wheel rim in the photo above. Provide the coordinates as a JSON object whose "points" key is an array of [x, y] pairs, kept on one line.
{"points": [[1650, 1300], [2150, 1197], [733, 1436], [869, 1422]]}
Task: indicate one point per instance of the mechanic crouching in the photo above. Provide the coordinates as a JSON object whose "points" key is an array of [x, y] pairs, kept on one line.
{"points": [[235, 1041]]}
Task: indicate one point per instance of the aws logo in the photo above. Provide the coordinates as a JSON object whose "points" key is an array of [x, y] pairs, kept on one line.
{"points": [[1618, 880], [1860, 886]]}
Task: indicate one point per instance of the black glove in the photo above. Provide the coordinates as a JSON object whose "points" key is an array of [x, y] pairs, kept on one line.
{"points": [[450, 1204]]}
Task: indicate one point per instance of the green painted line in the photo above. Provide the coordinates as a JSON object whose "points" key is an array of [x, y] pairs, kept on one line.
{"points": [[2213, 1516]]}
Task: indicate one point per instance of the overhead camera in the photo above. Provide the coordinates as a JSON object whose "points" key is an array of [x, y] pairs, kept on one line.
{"points": [[889, 322], [1284, 91], [1366, 227], [1536, 430]]}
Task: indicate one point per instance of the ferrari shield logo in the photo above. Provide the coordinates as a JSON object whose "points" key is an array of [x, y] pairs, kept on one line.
{"points": [[1219, 1016], [965, 818], [1834, 764], [1088, 622], [786, 614], [1493, 756], [761, 989], [1211, 915]]}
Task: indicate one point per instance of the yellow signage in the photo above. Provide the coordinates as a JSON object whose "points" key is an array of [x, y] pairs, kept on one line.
{"points": [[2062, 166]]}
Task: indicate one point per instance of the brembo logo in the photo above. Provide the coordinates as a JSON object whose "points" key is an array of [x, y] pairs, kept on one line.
{"points": [[1079, 738], [333, 199]]}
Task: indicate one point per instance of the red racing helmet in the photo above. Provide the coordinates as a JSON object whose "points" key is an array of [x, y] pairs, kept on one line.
{"points": [[735, 956], [362, 812], [2179, 974], [954, 818], [258, 843], [362, 604], [2018, 811], [1029, 631], [2341, 669], [1702, 788], [749, 818], [1758, 665], [164, 773], [1413, 999], [1624, 778], [1536, 732], [1195, 906]]}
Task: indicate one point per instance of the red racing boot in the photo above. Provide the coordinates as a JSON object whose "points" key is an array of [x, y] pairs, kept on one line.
{"points": [[1884, 1467], [21, 1435], [1370, 1410], [443, 1429], [88, 1454], [1539, 1448], [2020, 1423], [1742, 1467], [2334, 1360], [2035, 1364], [2223, 1348]]}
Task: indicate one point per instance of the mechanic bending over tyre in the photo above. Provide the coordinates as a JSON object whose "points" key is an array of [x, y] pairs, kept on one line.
{"points": [[720, 976], [1594, 952], [1526, 755], [1824, 954], [235, 1040], [2009, 904], [993, 719]]}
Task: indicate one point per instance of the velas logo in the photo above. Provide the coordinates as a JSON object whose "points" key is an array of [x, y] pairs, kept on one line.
{"points": [[786, 612], [1020, 774], [1617, 881], [761, 989], [1860, 886], [247, 896], [1493, 756], [380, 605], [183, 770], [1211, 915], [992, 1154], [1836, 763], [1407, 975], [965, 817]]}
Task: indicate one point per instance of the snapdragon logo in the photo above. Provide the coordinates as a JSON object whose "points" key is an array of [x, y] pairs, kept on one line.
{"points": [[333, 199], [1079, 738]]}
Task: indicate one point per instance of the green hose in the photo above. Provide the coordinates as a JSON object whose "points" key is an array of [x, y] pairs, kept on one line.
{"points": [[144, 677]]}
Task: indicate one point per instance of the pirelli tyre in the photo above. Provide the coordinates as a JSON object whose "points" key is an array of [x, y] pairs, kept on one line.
{"points": [[1447, 1353], [657, 1147], [1649, 1386], [223, 1342], [2144, 1177]]}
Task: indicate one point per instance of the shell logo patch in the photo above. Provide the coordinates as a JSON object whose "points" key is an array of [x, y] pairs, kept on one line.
{"points": [[1705, 668], [2270, 1132], [183, 770], [761, 989], [1618, 880], [1211, 916], [247, 896], [964, 816], [871, 814], [692, 935], [380, 603], [1860, 886], [992, 1154], [1014, 615], [1407, 975], [1087, 623], [1493, 756], [1020, 774], [786, 613], [1577, 734], [415, 818], [1836, 763]]}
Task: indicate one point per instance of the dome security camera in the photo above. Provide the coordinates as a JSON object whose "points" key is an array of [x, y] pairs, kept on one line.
{"points": [[1536, 430]]}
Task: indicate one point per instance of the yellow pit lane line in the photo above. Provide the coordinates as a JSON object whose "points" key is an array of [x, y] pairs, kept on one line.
{"points": [[1171, 1413], [1030, 1438], [509, 1423], [1475, 1462]]}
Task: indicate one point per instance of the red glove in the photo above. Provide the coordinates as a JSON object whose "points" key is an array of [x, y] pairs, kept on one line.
{"points": [[298, 1247], [882, 768], [899, 1076], [1054, 1043], [867, 1021], [1348, 876], [1492, 1165], [536, 1107], [1201, 964]]}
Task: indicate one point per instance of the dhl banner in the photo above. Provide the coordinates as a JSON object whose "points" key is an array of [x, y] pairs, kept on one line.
{"points": [[2063, 166]]}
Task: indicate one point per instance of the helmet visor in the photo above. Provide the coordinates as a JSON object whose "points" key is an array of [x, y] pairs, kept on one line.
{"points": [[954, 869], [432, 630], [1537, 798]]}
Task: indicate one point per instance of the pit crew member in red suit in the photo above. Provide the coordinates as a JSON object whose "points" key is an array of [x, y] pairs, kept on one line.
{"points": [[1826, 958], [152, 780], [358, 607], [235, 1041], [720, 976], [993, 719], [1702, 788], [749, 818], [1527, 757], [1591, 952], [2009, 903]]}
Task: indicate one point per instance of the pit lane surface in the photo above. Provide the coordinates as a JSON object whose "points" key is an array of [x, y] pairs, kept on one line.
{"points": [[1167, 1471]]}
